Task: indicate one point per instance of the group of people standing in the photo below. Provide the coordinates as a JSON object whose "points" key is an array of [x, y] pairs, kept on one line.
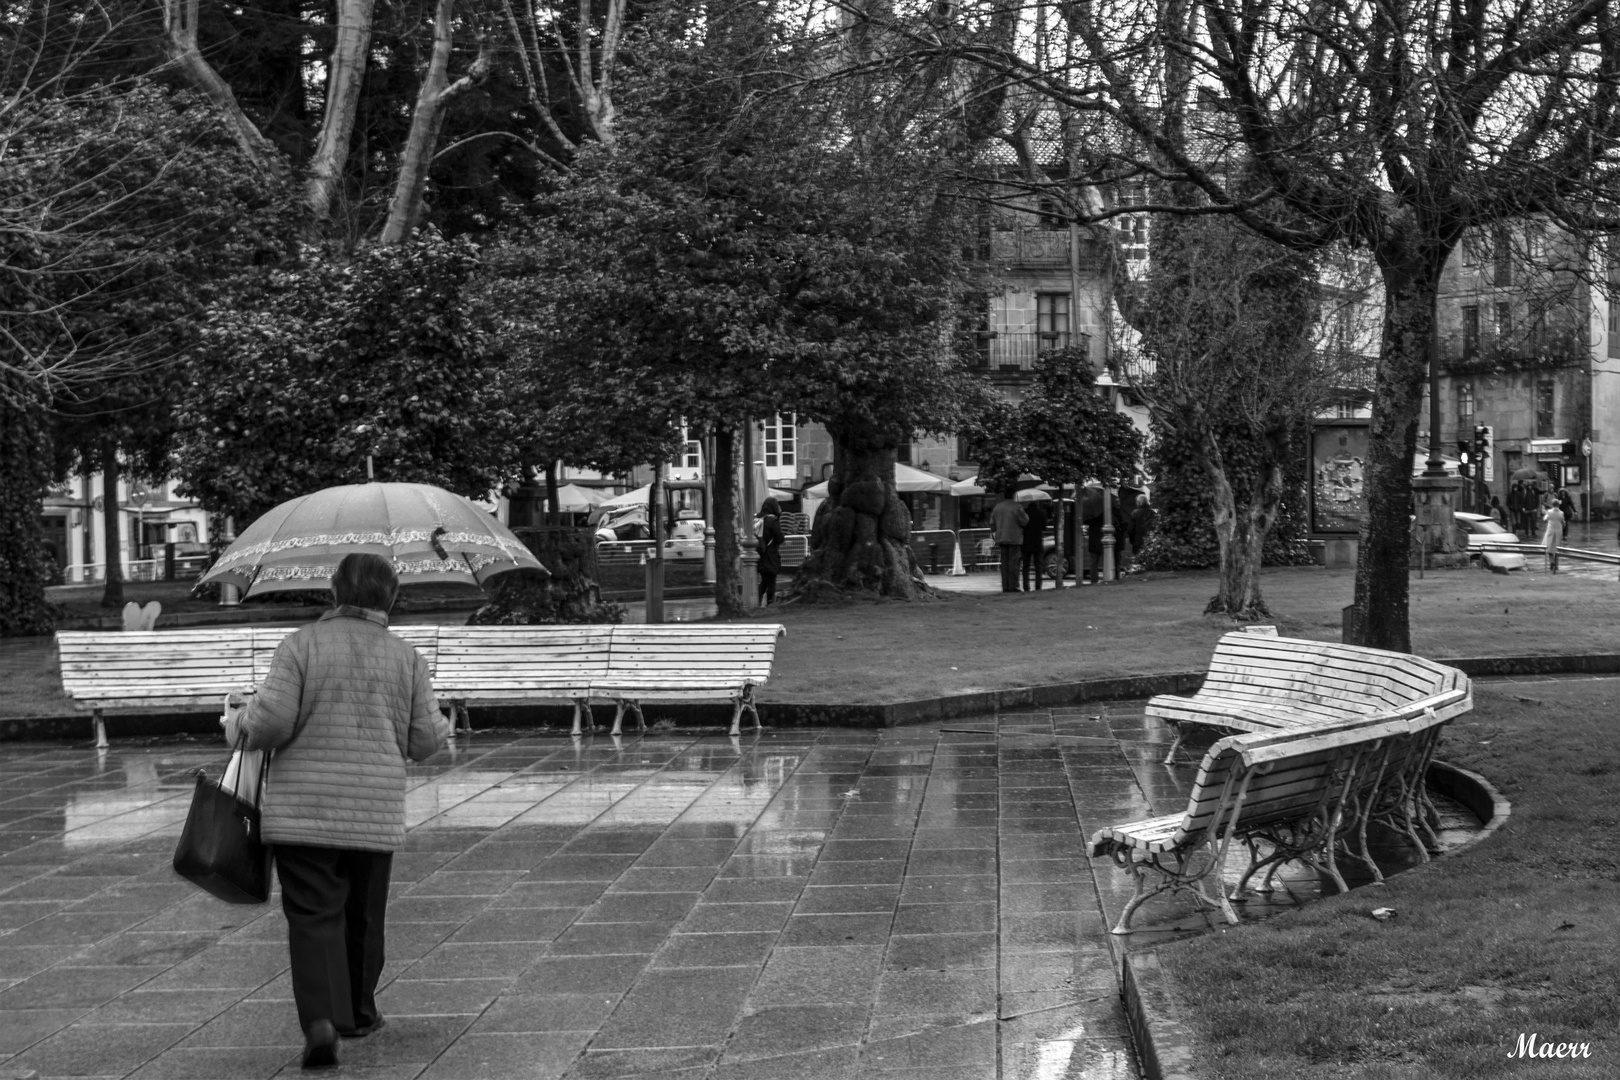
{"points": [[1019, 532]]}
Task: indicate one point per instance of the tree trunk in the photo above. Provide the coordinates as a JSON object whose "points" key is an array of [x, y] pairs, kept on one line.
{"points": [[180, 46], [1382, 594], [728, 597], [405, 209], [1241, 532], [345, 76], [860, 544], [112, 595]]}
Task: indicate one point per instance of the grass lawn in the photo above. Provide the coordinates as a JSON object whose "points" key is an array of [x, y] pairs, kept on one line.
{"points": [[979, 641], [1520, 934]]}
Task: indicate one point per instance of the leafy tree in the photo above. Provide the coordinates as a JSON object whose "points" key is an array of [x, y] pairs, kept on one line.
{"points": [[1062, 430], [724, 258], [123, 211], [1229, 368], [386, 357]]}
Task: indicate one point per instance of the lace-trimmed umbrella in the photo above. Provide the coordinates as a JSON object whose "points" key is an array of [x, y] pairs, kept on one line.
{"points": [[431, 535]]}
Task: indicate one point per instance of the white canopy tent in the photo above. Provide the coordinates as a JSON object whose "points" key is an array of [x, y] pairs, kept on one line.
{"points": [[905, 479]]}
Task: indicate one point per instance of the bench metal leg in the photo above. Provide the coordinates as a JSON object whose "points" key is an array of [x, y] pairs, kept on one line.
{"points": [[101, 730], [618, 716], [461, 718], [745, 702], [582, 715]]}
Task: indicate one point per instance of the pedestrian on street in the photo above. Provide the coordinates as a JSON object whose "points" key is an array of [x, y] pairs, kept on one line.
{"points": [[1498, 515], [344, 706], [770, 555], [1552, 532], [1007, 528], [1034, 548], [1567, 505]]}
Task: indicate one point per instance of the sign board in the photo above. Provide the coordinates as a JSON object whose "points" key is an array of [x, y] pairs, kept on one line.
{"points": [[1338, 467], [1586, 447]]}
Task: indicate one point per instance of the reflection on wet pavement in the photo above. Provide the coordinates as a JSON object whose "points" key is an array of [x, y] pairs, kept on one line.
{"points": [[907, 903]]}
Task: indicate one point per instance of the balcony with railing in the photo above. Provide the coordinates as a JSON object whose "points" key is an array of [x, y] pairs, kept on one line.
{"points": [[1011, 354]]}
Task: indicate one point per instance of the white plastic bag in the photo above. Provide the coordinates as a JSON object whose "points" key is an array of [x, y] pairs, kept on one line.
{"points": [[242, 774]]}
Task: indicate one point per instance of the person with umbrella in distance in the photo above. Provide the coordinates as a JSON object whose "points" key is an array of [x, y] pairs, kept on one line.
{"points": [[344, 706], [1552, 530]]}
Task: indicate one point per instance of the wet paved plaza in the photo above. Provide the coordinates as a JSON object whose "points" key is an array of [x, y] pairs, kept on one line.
{"points": [[911, 903]]}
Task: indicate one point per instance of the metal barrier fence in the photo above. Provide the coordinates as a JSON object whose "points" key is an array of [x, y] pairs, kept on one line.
{"points": [[935, 549], [979, 549]]}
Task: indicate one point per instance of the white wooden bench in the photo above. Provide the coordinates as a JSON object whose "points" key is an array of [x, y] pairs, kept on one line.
{"points": [[517, 665], [1288, 798], [121, 673], [112, 673], [1260, 683], [191, 670], [688, 663]]}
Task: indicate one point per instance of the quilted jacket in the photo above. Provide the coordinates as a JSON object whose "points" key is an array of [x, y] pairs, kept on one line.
{"points": [[343, 706]]}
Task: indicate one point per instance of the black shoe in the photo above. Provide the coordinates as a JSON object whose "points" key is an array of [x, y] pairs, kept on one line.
{"points": [[320, 1045], [365, 1029]]}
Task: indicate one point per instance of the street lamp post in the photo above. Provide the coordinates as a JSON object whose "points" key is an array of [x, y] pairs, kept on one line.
{"points": [[1106, 382]]}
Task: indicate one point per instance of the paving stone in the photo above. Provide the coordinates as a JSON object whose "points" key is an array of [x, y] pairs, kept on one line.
{"points": [[677, 1007], [98, 1050], [783, 1029], [507, 1056]]}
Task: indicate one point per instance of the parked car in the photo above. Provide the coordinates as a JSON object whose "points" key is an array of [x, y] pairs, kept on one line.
{"points": [[1481, 530]]}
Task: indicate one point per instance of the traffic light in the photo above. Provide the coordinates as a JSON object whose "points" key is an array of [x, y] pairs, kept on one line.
{"points": [[1464, 449], [1483, 436]]}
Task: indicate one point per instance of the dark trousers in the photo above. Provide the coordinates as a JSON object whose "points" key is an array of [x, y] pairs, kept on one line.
{"points": [[335, 900], [767, 588], [1031, 564], [1009, 566]]}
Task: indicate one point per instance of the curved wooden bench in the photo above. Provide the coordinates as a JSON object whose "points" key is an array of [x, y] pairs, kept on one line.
{"points": [[1287, 798], [1258, 683]]}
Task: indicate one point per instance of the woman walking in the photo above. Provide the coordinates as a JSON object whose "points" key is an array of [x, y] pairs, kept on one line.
{"points": [[344, 705]]}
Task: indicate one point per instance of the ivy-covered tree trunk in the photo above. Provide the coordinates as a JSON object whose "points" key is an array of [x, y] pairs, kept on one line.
{"points": [[112, 594], [728, 597], [1241, 528], [860, 543], [25, 449]]}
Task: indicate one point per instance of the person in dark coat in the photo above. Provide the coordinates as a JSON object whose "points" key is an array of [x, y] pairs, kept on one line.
{"points": [[1515, 508], [1567, 505], [1034, 548], [1007, 530], [1143, 518], [770, 554]]}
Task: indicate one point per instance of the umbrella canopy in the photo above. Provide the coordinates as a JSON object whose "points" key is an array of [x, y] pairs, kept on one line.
{"points": [[905, 479], [431, 536], [1033, 494], [1528, 473]]}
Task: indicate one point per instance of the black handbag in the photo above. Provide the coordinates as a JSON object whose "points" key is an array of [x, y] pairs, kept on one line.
{"points": [[220, 848]]}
